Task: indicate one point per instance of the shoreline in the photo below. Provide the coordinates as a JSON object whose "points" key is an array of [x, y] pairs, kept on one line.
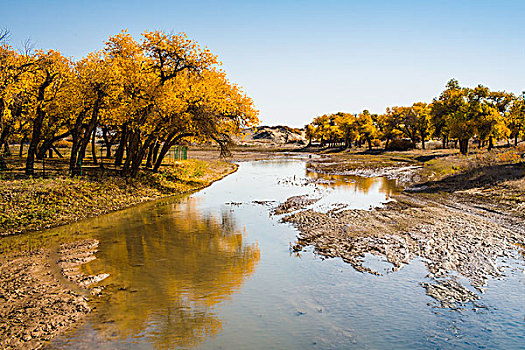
{"points": [[43, 293], [121, 196]]}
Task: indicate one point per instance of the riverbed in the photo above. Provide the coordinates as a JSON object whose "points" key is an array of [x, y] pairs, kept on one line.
{"points": [[216, 270]]}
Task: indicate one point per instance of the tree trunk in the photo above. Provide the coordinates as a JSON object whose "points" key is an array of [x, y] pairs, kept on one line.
{"points": [[422, 143], [82, 135], [3, 165], [156, 152], [37, 125], [7, 151], [3, 142], [93, 147], [149, 160], [130, 150], [163, 151], [137, 153], [3, 139], [170, 141], [491, 143], [348, 142], [119, 154], [21, 150], [48, 143], [74, 161], [387, 142], [414, 142], [35, 139], [57, 151], [83, 138], [78, 152], [133, 153], [107, 141], [139, 156], [463, 146]]}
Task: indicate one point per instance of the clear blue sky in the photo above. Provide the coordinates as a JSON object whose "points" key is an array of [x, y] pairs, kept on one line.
{"points": [[299, 59]]}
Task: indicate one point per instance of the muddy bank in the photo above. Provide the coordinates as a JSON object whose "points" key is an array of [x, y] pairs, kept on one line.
{"points": [[463, 221], [294, 203], [35, 204], [405, 174], [43, 293], [447, 239], [390, 165]]}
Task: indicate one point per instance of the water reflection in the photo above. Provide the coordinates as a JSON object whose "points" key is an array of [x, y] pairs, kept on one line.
{"points": [[168, 269], [357, 183], [45, 239], [347, 191]]}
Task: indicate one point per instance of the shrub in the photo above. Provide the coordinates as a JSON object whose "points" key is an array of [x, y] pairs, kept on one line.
{"points": [[400, 145], [494, 158]]}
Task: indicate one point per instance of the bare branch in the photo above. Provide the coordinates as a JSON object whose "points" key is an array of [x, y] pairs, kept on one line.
{"points": [[4, 35], [27, 47]]}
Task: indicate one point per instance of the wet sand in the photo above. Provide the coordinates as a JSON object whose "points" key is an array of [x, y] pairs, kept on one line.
{"points": [[43, 294]]}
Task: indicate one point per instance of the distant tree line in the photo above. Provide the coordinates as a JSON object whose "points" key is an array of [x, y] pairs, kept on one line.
{"points": [[142, 96], [458, 115]]}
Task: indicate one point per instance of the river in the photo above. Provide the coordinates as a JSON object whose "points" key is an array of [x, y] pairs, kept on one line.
{"points": [[214, 270]]}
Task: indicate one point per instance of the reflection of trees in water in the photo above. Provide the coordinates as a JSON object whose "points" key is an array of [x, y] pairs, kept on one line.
{"points": [[178, 326], [38, 240], [273, 162], [173, 268], [357, 183], [388, 187]]}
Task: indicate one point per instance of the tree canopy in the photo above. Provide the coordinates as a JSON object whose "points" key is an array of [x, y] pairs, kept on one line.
{"points": [[147, 94], [458, 113]]}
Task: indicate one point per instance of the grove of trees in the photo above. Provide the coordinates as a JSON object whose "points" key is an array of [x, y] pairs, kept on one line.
{"points": [[457, 116], [143, 96]]}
